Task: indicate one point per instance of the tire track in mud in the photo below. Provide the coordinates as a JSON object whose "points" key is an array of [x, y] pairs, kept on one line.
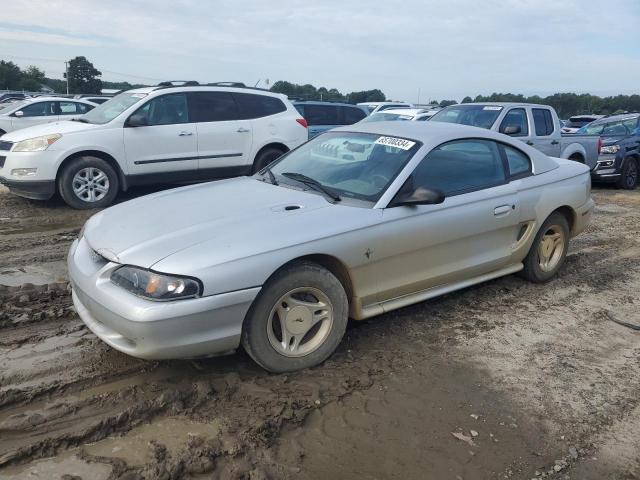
{"points": [[61, 388]]}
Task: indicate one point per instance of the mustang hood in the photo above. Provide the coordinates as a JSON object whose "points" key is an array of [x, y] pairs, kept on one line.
{"points": [[232, 216]]}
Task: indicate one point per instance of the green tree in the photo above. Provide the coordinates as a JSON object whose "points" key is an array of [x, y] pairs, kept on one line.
{"points": [[83, 76], [32, 79], [446, 103], [467, 99], [10, 76]]}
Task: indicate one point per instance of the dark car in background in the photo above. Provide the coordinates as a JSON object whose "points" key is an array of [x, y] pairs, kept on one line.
{"points": [[323, 116], [619, 159]]}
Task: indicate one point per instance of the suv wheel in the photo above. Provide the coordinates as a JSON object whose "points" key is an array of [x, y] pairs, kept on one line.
{"points": [[88, 182], [298, 319], [629, 178], [265, 157]]}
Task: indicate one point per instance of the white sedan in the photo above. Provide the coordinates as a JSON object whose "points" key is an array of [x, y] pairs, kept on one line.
{"points": [[34, 111]]}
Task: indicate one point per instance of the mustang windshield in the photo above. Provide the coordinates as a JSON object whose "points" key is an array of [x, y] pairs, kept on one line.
{"points": [[482, 116], [353, 165], [110, 109]]}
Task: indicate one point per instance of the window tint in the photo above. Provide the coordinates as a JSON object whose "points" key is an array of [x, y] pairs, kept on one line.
{"points": [[166, 110], [631, 124], [212, 107], [256, 106], [39, 109], [614, 129], [72, 108], [351, 115], [461, 166], [543, 121], [519, 163], [516, 117], [321, 114]]}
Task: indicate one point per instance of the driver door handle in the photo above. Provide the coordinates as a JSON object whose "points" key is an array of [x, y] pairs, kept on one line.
{"points": [[555, 142], [242, 130], [503, 210], [185, 134]]}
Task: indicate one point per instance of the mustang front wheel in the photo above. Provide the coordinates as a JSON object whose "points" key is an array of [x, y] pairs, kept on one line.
{"points": [[298, 320]]}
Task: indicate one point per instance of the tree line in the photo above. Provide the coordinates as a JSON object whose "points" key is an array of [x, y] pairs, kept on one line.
{"points": [[85, 78], [569, 104]]}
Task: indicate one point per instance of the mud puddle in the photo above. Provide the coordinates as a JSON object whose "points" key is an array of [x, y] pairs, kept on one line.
{"points": [[38, 274]]}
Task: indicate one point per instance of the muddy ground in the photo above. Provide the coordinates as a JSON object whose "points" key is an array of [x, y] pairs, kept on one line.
{"points": [[502, 380]]}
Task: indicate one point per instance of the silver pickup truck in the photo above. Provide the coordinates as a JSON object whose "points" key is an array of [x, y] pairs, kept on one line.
{"points": [[536, 125]]}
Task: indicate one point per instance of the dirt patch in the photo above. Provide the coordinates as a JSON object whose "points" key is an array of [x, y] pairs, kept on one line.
{"points": [[533, 380]]}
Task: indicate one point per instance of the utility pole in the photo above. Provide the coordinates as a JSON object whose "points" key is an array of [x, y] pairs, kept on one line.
{"points": [[66, 69]]}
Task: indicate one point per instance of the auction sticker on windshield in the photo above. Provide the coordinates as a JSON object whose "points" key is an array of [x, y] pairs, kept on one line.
{"points": [[395, 142]]}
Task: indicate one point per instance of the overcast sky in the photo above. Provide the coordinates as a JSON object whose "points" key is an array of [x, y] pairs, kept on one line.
{"points": [[442, 48]]}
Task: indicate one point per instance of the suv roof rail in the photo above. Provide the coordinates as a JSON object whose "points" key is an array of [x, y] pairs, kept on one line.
{"points": [[193, 83], [182, 83]]}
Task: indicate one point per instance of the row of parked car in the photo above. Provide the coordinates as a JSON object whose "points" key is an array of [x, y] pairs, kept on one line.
{"points": [[189, 132]]}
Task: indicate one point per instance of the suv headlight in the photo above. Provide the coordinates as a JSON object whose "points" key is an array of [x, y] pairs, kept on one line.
{"points": [[36, 144], [155, 286], [610, 149]]}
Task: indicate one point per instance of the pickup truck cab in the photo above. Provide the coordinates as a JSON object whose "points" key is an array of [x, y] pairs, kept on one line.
{"points": [[536, 125]]}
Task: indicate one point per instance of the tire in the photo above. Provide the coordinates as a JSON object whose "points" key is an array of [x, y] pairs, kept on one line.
{"points": [[2, 132], [288, 294], [265, 157], [629, 178], [534, 264], [96, 175]]}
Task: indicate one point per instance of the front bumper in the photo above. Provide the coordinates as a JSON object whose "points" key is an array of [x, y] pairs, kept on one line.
{"points": [[607, 169], [146, 329], [41, 184]]}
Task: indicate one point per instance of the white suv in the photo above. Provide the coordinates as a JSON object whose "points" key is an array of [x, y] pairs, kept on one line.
{"points": [[151, 135]]}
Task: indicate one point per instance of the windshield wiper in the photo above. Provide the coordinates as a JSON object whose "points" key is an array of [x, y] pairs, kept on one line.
{"points": [[316, 185], [272, 177]]}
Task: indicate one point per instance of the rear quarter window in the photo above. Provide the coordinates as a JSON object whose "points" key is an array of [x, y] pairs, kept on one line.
{"points": [[257, 106], [351, 115]]}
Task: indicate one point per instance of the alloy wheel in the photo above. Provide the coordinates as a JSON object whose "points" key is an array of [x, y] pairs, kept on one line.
{"points": [[551, 248], [300, 322], [90, 184]]}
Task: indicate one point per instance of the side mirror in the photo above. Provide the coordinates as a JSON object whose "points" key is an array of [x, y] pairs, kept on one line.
{"points": [[138, 120], [19, 113], [512, 130], [419, 196]]}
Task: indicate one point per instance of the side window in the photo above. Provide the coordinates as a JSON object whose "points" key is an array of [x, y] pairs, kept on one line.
{"points": [[257, 106], [212, 107], [614, 129], [83, 108], [514, 123], [166, 110], [70, 108], [461, 166], [519, 163], [39, 109], [631, 124], [543, 121], [321, 114], [351, 115]]}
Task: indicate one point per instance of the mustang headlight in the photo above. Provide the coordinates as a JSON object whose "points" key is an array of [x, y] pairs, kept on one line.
{"points": [[610, 149], [36, 144], [155, 286]]}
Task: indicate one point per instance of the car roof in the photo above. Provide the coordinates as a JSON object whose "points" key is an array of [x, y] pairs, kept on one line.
{"points": [[432, 134], [501, 104], [616, 118], [402, 111], [205, 88], [319, 102]]}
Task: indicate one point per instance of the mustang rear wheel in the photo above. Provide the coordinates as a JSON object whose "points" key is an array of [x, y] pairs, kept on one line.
{"points": [[298, 319], [548, 251]]}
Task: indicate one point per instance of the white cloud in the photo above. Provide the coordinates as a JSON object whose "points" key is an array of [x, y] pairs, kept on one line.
{"points": [[447, 49]]}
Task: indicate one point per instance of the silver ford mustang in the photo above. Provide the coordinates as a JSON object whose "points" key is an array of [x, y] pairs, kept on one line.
{"points": [[357, 222]]}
